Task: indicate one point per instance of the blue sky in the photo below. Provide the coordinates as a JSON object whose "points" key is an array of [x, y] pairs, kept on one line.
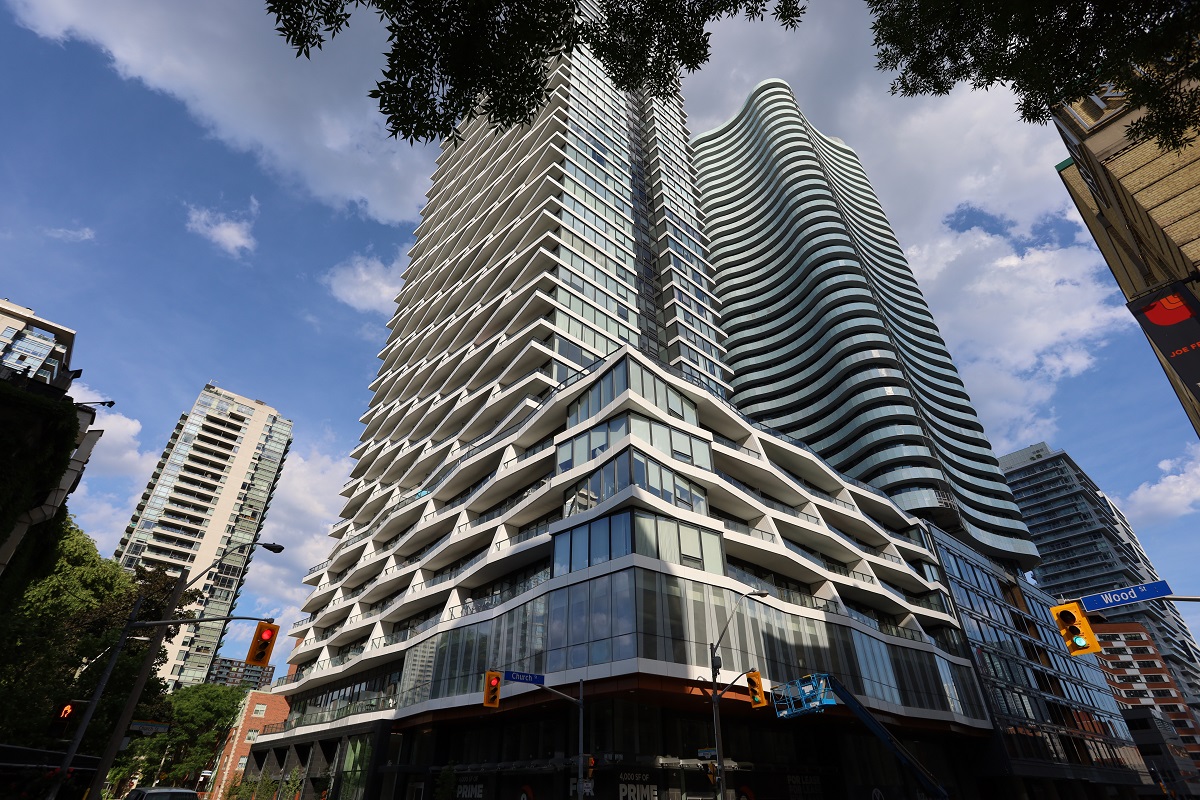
{"points": [[201, 206]]}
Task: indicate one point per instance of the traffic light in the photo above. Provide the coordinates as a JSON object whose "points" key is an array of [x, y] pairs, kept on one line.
{"points": [[758, 698], [262, 644], [589, 764], [710, 771], [491, 689], [1074, 627]]}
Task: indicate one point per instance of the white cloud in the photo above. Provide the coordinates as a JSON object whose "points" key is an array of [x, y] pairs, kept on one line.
{"points": [[230, 233], [309, 121], [1175, 493], [365, 283], [115, 476], [102, 515], [70, 234], [1017, 324], [119, 452]]}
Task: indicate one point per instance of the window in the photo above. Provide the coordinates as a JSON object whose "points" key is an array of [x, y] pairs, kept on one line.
{"points": [[1161, 693], [1149, 664], [612, 537], [1136, 693], [646, 473], [252, 735], [242, 762], [260, 709]]}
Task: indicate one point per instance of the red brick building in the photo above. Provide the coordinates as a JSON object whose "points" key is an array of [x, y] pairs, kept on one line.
{"points": [[259, 709], [1140, 679]]}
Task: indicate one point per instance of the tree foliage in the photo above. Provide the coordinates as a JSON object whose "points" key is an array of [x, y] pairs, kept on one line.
{"points": [[60, 605], [261, 787], [452, 60], [200, 717], [1050, 51], [64, 610]]}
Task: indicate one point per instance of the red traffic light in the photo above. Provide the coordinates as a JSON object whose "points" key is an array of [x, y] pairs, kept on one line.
{"points": [[262, 644], [491, 688]]}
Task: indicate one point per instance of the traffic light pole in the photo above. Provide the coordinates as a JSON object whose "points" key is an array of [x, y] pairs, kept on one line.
{"points": [[578, 702], [716, 704], [114, 741], [715, 662], [81, 729]]}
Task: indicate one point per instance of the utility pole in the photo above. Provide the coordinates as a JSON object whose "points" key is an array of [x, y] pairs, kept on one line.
{"points": [[159, 625], [715, 662]]}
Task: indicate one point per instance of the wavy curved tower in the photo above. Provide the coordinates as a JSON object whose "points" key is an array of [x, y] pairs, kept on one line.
{"points": [[829, 337]]}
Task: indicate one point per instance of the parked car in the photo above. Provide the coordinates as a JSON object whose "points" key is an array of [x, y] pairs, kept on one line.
{"points": [[161, 793]]}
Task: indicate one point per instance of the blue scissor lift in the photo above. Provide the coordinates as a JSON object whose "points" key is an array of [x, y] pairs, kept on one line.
{"points": [[812, 693]]}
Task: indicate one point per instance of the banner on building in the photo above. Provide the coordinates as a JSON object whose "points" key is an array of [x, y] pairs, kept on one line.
{"points": [[1171, 319]]}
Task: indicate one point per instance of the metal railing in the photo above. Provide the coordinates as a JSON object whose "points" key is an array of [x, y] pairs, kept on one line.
{"points": [[479, 604], [512, 502], [768, 502], [725, 441]]}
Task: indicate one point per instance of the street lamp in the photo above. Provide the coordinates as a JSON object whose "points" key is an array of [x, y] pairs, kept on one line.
{"points": [[715, 660], [114, 742]]}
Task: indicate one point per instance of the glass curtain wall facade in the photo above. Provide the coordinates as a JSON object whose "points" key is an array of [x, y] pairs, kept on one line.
{"points": [[829, 336], [1055, 713], [551, 480], [209, 493], [1088, 546]]}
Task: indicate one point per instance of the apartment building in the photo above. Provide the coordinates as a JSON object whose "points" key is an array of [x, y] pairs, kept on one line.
{"points": [[207, 500]]}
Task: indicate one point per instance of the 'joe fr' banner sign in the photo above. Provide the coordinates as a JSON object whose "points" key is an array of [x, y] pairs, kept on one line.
{"points": [[1171, 319]]}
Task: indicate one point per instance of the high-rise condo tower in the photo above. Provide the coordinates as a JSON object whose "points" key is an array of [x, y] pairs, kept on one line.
{"points": [[551, 482], [831, 341], [209, 494], [830, 338]]}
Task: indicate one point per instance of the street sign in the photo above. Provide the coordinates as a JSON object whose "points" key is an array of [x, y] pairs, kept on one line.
{"points": [[706, 752], [1129, 594], [525, 677], [147, 727]]}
